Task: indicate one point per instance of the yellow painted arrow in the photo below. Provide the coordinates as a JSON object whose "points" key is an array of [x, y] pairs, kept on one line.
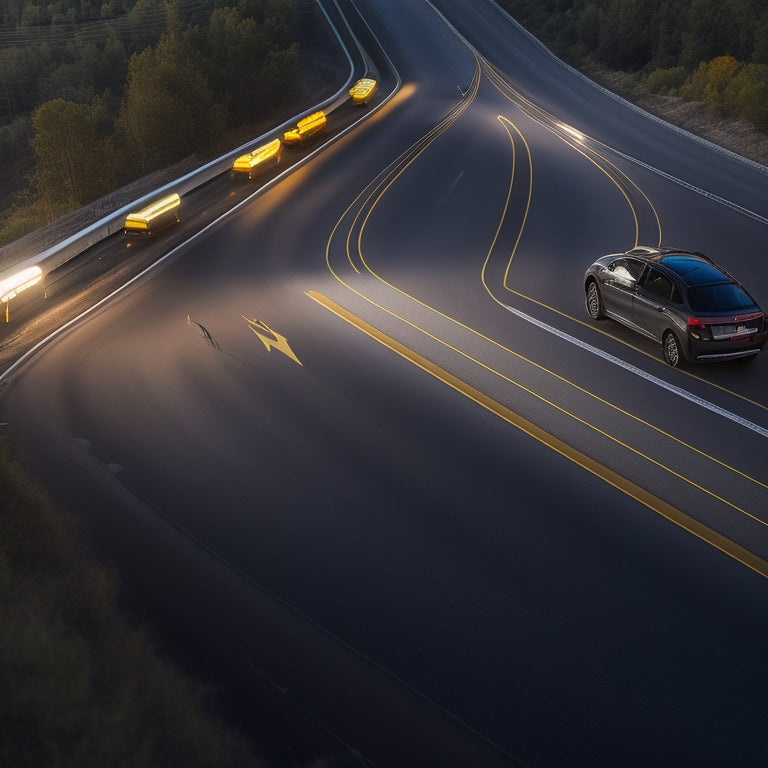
{"points": [[271, 340]]}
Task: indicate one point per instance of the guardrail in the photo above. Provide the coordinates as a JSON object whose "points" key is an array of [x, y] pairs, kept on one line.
{"points": [[59, 254]]}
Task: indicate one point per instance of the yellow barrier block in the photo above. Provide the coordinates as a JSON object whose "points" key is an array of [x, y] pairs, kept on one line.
{"points": [[306, 127], [259, 160], [362, 90], [12, 286], [153, 218]]}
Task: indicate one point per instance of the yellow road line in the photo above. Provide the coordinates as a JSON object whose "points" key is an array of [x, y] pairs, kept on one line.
{"points": [[654, 503], [376, 191], [507, 125], [548, 121], [596, 329], [524, 359], [551, 373]]}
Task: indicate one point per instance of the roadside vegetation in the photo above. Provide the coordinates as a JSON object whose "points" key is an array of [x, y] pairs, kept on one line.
{"points": [[80, 687], [97, 93], [665, 55]]}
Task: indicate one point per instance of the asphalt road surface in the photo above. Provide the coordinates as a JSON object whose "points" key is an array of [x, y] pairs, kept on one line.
{"points": [[364, 462]]}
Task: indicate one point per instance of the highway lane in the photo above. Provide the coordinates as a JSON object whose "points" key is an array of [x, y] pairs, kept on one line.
{"points": [[277, 390], [599, 114], [497, 274]]}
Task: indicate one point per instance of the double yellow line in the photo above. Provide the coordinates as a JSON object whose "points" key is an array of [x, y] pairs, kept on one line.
{"points": [[368, 199], [580, 144], [597, 469]]}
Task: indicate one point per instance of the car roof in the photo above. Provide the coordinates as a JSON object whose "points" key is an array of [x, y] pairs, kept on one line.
{"points": [[694, 270], [691, 267]]}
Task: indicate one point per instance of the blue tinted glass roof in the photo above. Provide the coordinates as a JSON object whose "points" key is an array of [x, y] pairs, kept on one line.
{"points": [[694, 271]]}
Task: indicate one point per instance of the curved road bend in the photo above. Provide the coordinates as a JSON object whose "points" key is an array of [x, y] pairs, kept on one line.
{"points": [[363, 463]]}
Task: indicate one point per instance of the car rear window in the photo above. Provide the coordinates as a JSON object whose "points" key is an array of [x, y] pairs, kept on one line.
{"points": [[722, 297]]}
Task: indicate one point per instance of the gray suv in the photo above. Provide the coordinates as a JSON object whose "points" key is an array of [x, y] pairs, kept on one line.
{"points": [[682, 299]]}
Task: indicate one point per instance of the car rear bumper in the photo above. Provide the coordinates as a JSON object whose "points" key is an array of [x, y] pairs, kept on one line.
{"points": [[725, 350]]}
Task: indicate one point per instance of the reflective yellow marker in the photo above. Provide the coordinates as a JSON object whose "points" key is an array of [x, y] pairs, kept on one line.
{"points": [[259, 160], [306, 127], [271, 339], [362, 91], [153, 218], [12, 286]]}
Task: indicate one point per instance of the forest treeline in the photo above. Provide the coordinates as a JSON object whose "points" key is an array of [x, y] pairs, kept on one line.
{"points": [[701, 50], [97, 93]]}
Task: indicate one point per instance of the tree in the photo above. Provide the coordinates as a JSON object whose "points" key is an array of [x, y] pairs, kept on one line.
{"points": [[588, 25], [259, 51], [625, 40], [710, 32], [747, 94], [168, 110], [21, 69], [720, 74], [709, 82], [63, 144]]}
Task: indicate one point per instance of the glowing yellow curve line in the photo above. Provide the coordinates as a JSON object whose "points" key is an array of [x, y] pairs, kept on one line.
{"points": [[507, 124], [531, 110], [394, 170], [549, 123], [412, 155]]}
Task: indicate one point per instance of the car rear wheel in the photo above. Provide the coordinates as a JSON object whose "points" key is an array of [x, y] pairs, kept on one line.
{"points": [[595, 307], [671, 347]]}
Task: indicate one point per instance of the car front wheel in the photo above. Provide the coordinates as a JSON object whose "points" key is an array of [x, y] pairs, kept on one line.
{"points": [[671, 347], [595, 307]]}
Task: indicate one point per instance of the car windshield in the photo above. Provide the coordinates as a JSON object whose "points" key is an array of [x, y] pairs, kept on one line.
{"points": [[721, 297]]}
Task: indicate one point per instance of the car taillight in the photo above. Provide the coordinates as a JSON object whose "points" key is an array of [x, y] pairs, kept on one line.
{"points": [[696, 328]]}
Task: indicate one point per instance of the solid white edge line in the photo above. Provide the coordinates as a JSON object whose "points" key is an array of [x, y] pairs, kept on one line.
{"points": [[695, 399]]}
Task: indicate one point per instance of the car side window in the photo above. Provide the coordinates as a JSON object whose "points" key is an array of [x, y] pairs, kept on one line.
{"points": [[658, 284], [635, 268], [627, 271]]}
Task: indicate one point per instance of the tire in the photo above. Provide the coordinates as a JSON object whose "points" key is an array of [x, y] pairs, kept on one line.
{"points": [[594, 301], [671, 349]]}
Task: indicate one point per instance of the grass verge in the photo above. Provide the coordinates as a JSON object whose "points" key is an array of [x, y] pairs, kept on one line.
{"points": [[80, 687], [703, 120]]}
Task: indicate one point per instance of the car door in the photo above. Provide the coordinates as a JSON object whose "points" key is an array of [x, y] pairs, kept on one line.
{"points": [[620, 281], [652, 298]]}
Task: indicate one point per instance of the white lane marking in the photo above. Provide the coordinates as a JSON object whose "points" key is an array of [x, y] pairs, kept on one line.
{"points": [[455, 183], [686, 185], [700, 401]]}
